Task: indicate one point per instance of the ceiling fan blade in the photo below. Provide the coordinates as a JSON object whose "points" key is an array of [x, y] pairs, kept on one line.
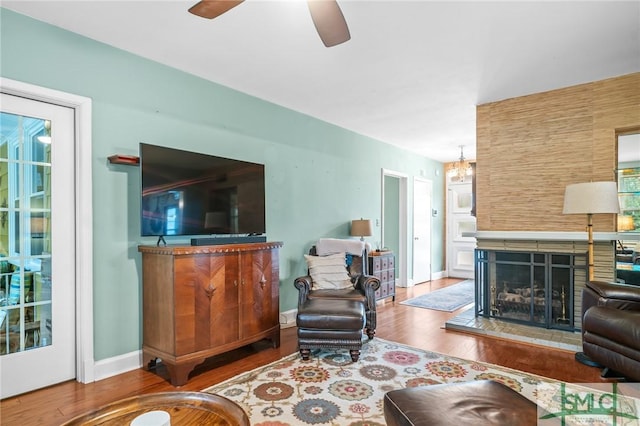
{"points": [[329, 21], [213, 8]]}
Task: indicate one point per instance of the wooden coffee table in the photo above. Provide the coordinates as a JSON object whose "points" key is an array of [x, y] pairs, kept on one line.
{"points": [[185, 408]]}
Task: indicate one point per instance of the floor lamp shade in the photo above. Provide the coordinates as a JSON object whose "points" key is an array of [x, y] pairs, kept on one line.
{"points": [[591, 197], [361, 228]]}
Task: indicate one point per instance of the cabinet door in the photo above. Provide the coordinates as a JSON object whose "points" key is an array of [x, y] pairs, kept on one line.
{"points": [[189, 272], [158, 302], [391, 277], [374, 269], [223, 296], [375, 265], [206, 307], [259, 292]]}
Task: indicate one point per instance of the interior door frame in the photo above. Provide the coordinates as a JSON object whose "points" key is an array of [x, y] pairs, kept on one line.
{"points": [[429, 183], [457, 243], [401, 256], [82, 107]]}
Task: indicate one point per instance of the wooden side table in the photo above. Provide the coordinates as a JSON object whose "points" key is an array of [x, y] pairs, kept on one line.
{"points": [[185, 408], [382, 265]]}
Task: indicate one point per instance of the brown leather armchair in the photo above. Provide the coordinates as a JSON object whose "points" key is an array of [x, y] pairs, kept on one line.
{"points": [[363, 290], [611, 327]]}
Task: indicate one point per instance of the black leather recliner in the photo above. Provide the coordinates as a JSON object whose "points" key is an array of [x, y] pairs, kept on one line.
{"points": [[611, 326], [363, 290]]}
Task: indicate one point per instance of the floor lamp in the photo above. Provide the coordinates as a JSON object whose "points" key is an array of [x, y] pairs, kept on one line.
{"points": [[590, 198]]}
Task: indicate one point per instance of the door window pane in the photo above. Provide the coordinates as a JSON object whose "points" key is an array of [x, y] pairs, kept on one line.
{"points": [[25, 233]]}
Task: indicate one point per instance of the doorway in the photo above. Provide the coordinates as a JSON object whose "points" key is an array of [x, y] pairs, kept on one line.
{"points": [[394, 222], [628, 221], [45, 161], [36, 282], [422, 192], [460, 224]]}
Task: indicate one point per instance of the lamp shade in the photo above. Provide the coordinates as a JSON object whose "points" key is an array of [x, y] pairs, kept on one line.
{"points": [[591, 197], [361, 228], [625, 223]]}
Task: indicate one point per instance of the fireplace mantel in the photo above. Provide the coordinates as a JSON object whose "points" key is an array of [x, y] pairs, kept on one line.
{"points": [[550, 236]]}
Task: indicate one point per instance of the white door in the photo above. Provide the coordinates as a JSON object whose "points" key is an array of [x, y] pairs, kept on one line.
{"points": [[460, 247], [37, 267], [395, 216], [421, 230]]}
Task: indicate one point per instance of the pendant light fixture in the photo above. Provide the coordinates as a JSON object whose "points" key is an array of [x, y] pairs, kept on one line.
{"points": [[460, 170]]}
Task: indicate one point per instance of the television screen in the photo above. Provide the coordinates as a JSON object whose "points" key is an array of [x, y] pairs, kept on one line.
{"points": [[187, 193]]}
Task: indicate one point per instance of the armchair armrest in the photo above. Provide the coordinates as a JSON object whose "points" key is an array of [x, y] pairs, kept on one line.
{"points": [[615, 295], [303, 284], [368, 284]]}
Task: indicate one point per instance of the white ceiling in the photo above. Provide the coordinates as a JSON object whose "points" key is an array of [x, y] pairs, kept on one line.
{"points": [[412, 73]]}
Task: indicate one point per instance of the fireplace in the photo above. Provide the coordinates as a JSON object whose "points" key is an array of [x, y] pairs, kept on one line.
{"points": [[533, 288]]}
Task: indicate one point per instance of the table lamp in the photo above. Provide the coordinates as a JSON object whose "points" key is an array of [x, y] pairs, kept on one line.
{"points": [[361, 228]]}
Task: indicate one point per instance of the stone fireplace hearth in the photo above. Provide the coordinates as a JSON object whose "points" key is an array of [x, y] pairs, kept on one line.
{"points": [[564, 243], [468, 322]]}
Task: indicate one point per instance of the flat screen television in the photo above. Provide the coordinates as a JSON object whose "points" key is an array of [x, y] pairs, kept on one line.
{"points": [[189, 193]]}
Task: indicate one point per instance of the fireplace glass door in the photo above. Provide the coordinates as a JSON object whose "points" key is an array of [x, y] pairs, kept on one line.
{"points": [[528, 287]]}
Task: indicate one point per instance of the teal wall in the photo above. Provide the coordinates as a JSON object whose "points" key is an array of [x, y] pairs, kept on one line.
{"points": [[319, 176]]}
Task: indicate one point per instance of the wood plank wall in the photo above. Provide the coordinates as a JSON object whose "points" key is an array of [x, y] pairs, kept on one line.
{"points": [[531, 147]]}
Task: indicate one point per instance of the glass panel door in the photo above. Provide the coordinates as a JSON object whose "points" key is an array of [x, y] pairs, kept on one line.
{"points": [[25, 235], [37, 217], [460, 225]]}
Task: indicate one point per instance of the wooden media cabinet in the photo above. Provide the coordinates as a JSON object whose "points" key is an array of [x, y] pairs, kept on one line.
{"points": [[201, 301]]}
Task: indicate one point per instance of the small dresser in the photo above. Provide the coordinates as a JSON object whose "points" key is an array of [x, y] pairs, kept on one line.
{"points": [[382, 265]]}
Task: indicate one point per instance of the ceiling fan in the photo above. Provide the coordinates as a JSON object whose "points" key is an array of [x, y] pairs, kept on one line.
{"points": [[326, 16]]}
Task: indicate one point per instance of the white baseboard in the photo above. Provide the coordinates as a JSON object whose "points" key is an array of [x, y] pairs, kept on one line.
{"points": [[288, 318], [133, 360], [411, 282], [439, 275], [117, 365]]}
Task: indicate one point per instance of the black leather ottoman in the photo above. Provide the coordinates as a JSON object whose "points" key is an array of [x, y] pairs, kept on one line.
{"points": [[330, 323], [483, 402]]}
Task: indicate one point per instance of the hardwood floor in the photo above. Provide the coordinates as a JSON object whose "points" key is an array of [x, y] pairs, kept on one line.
{"points": [[422, 328]]}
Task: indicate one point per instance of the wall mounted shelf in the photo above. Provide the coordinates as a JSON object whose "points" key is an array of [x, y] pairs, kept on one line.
{"points": [[128, 160]]}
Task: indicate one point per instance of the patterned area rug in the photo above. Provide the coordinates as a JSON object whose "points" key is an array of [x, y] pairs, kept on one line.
{"points": [[331, 390], [447, 299]]}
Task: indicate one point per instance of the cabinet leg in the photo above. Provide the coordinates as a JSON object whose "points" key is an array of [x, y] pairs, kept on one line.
{"points": [[275, 339], [179, 374], [148, 361]]}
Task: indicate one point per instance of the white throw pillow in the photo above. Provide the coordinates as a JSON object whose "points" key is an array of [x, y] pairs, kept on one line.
{"points": [[328, 272]]}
